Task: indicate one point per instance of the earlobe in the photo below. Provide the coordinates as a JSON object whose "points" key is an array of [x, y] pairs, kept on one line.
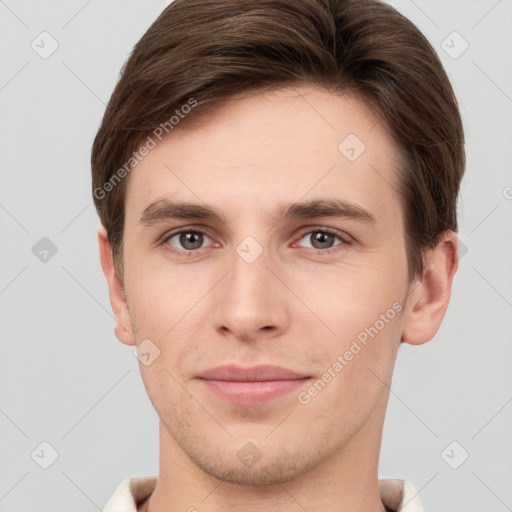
{"points": [[429, 296], [123, 329]]}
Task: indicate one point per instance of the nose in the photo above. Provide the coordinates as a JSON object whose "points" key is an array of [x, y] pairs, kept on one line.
{"points": [[251, 302]]}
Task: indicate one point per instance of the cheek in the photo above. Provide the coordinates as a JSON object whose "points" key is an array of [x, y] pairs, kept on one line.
{"points": [[349, 298], [356, 364], [167, 311], [363, 308], [158, 295]]}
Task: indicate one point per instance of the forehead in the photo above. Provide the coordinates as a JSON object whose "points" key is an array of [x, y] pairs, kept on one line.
{"points": [[270, 148]]}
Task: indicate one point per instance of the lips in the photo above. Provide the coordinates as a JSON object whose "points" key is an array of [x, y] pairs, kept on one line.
{"points": [[260, 373], [253, 385]]}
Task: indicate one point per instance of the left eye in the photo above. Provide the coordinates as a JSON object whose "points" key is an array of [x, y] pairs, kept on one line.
{"points": [[189, 240], [321, 239]]}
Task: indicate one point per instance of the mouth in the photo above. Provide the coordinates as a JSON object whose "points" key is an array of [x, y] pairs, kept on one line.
{"points": [[253, 385]]}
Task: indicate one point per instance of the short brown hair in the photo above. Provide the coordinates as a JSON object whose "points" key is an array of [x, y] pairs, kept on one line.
{"points": [[210, 50]]}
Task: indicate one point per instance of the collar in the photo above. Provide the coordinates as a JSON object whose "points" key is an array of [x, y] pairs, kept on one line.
{"points": [[397, 495]]}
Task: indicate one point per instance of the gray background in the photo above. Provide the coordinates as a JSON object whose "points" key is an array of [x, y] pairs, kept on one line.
{"points": [[67, 381]]}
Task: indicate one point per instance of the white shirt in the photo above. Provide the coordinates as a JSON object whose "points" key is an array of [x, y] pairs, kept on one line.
{"points": [[397, 495]]}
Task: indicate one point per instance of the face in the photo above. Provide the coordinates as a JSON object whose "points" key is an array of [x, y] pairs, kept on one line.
{"points": [[267, 235]]}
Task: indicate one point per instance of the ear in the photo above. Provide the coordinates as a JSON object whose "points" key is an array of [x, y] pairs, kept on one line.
{"points": [[429, 296], [124, 329]]}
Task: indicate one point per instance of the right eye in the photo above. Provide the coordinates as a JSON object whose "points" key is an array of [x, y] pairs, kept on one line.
{"points": [[186, 240]]}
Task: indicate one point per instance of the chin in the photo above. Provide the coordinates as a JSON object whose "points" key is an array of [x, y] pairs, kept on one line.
{"points": [[251, 467]]}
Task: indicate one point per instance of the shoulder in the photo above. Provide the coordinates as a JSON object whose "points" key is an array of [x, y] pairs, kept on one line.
{"points": [[399, 495], [130, 493]]}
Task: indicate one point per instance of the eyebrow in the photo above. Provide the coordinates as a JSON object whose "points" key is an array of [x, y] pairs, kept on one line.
{"points": [[165, 209]]}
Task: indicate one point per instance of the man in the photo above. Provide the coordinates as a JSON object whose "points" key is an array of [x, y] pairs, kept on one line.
{"points": [[277, 185]]}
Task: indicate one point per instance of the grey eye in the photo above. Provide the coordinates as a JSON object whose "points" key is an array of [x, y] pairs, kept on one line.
{"points": [[188, 240], [319, 239]]}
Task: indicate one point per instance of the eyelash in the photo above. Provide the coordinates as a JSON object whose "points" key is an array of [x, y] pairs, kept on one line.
{"points": [[342, 237]]}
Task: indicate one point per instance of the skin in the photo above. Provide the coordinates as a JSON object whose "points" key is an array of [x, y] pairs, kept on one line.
{"points": [[292, 306]]}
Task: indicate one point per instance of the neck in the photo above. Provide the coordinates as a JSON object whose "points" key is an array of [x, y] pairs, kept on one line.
{"points": [[346, 481]]}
